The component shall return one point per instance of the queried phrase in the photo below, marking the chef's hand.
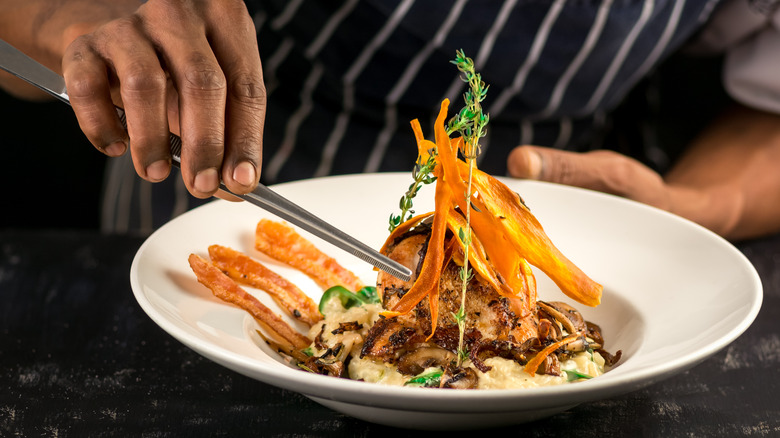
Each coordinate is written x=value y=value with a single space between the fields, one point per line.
x=191 y=67
x=727 y=180
x=601 y=170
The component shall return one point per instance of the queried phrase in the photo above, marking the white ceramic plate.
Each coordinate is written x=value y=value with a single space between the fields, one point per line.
x=674 y=294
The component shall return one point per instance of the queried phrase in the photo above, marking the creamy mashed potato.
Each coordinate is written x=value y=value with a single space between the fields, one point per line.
x=336 y=314
x=504 y=373
x=509 y=374
x=376 y=372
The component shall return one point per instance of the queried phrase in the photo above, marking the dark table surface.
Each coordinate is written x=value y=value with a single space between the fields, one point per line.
x=78 y=357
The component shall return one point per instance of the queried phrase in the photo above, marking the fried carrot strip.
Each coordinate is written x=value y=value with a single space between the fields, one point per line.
x=433 y=297
x=424 y=147
x=427 y=282
x=281 y=242
x=477 y=255
x=244 y=269
x=226 y=289
x=430 y=273
x=516 y=287
x=505 y=218
x=534 y=363
x=504 y=261
x=501 y=221
x=433 y=303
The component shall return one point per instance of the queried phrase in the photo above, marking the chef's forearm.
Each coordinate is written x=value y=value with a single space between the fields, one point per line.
x=729 y=180
x=43 y=29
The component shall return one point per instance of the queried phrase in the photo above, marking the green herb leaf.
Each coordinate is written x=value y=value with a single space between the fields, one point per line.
x=463 y=354
x=427 y=380
x=422 y=175
x=572 y=375
x=460 y=315
x=367 y=295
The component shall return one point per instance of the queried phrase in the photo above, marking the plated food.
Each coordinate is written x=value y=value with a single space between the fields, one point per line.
x=655 y=267
x=349 y=336
x=468 y=318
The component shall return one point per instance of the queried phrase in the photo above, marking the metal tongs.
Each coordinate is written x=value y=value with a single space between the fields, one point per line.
x=20 y=65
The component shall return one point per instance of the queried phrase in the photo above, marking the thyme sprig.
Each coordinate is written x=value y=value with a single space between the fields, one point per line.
x=423 y=175
x=471 y=123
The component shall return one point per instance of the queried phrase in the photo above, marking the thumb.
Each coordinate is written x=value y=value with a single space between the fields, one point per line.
x=525 y=162
x=588 y=170
x=602 y=170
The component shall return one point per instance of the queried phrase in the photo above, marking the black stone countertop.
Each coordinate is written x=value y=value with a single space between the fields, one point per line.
x=78 y=357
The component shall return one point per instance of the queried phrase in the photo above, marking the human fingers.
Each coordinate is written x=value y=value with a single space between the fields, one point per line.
x=193 y=43
x=89 y=91
x=200 y=85
x=232 y=37
x=131 y=50
x=143 y=89
x=602 y=170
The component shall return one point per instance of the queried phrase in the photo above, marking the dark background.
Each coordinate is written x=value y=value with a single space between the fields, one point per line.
x=51 y=174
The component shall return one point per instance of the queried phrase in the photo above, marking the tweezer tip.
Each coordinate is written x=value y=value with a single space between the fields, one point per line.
x=399 y=275
x=395 y=272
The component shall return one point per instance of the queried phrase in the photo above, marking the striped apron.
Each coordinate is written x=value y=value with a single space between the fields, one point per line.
x=345 y=78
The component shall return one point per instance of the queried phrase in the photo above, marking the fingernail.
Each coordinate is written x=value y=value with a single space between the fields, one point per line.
x=245 y=174
x=206 y=180
x=116 y=148
x=534 y=165
x=157 y=171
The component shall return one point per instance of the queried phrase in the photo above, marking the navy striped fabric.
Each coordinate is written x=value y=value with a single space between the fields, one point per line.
x=346 y=77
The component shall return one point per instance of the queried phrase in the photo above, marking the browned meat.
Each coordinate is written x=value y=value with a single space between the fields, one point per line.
x=490 y=318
